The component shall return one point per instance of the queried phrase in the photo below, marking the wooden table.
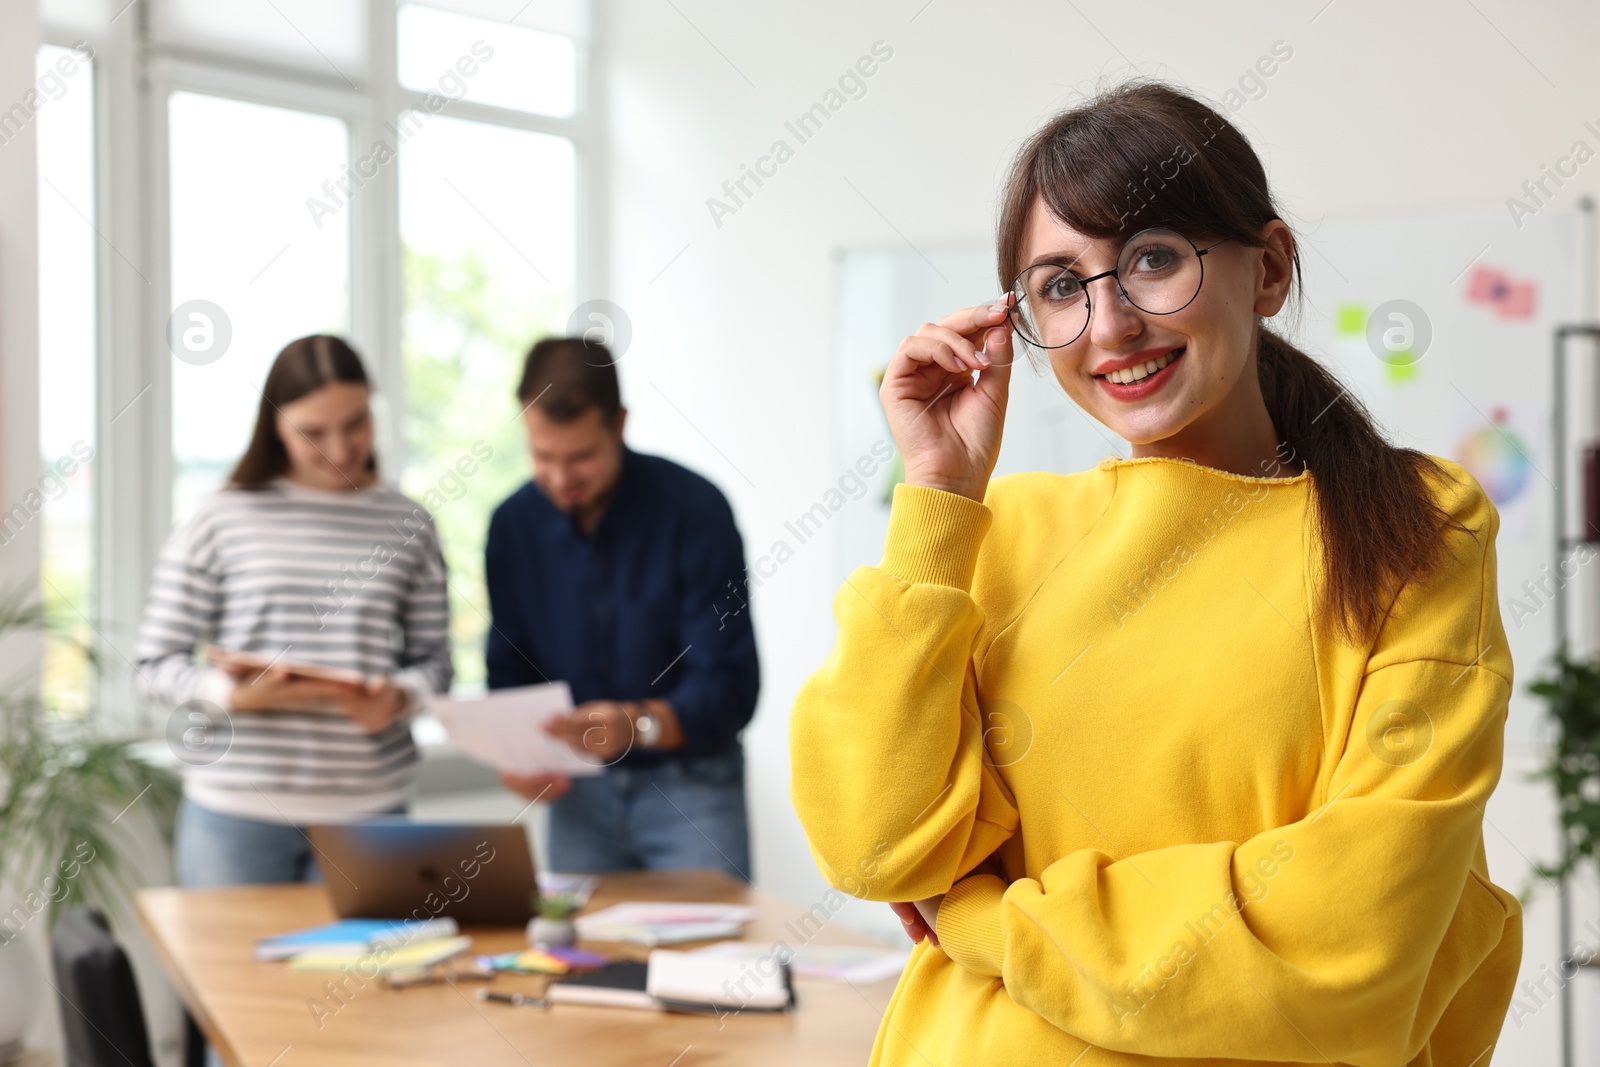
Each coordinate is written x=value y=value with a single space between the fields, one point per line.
x=261 y=1014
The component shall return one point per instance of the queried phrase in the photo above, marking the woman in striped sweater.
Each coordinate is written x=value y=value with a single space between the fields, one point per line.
x=304 y=557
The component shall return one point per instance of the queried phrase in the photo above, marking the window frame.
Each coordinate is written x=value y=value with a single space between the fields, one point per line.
x=52 y=37
x=134 y=80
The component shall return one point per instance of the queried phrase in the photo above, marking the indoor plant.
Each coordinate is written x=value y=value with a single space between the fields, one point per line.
x=63 y=787
x=1572 y=764
x=553 y=925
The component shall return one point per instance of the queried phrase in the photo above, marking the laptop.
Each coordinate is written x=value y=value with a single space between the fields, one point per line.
x=393 y=868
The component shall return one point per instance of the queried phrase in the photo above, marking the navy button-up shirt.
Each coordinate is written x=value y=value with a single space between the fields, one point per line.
x=651 y=605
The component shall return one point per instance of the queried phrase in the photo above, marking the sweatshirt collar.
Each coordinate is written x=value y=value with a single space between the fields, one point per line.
x=1185 y=465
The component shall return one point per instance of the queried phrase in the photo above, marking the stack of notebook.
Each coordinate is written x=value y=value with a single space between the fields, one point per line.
x=385 y=944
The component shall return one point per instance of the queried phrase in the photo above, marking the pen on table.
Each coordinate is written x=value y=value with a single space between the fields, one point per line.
x=513 y=998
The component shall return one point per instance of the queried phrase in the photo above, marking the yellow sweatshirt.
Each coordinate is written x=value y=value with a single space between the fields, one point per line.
x=1209 y=831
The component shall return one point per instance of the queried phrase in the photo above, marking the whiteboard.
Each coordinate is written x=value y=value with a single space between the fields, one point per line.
x=1482 y=293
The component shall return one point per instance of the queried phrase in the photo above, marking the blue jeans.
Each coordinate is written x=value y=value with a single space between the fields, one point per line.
x=213 y=849
x=678 y=814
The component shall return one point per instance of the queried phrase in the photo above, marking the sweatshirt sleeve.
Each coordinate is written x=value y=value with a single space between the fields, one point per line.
x=886 y=739
x=183 y=608
x=1341 y=937
x=426 y=665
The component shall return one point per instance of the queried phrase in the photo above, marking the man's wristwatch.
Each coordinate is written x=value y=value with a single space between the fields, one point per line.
x=646 y=727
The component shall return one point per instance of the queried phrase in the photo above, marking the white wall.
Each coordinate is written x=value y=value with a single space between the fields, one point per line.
x=19 y=360
x=19 y=289
x=1382 y=107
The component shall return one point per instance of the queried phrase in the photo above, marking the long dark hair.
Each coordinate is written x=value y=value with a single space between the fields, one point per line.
x=303 y=367
x=1145 y=154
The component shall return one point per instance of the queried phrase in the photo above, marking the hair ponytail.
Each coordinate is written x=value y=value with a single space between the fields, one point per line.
x=1377 y=517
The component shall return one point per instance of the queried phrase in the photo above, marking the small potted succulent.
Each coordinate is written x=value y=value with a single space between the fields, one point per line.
x=553 y=926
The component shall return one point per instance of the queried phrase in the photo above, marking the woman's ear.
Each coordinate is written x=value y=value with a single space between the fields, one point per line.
x=1276 y=271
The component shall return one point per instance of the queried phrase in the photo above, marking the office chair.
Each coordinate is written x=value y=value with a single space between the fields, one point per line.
x=101 y=1016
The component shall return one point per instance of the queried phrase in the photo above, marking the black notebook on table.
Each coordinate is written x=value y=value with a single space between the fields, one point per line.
x=619 y=984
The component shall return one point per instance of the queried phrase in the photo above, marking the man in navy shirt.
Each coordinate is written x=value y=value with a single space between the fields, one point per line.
x=623 y=574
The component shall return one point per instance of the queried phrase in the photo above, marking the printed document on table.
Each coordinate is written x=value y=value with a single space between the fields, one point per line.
x=505 y=729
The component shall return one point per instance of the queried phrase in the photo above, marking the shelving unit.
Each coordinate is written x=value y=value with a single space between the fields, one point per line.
x=1563 y=542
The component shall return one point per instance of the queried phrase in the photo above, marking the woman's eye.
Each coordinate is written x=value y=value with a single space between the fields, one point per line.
x=1155 y=259
x=1062 y=287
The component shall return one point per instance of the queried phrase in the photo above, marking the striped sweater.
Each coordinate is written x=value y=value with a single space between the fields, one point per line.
x=354 y=580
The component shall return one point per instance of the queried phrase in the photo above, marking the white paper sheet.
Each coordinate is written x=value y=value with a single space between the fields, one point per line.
x=699 y=979
x=831 y=963
x=505 y=729
x=652 y=922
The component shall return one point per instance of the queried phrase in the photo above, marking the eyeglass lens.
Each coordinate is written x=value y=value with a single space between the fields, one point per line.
x=1159 y=269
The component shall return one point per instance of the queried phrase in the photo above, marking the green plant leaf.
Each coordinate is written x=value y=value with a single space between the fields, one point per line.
x=1570 y=692
x=63 y=787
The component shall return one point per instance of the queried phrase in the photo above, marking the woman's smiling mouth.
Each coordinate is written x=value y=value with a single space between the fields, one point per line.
x=1139 y=380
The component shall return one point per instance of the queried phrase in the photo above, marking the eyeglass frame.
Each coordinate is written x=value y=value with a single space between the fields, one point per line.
x=1088 y=300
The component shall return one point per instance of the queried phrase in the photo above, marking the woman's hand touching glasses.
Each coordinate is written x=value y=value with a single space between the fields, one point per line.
x=946 y=424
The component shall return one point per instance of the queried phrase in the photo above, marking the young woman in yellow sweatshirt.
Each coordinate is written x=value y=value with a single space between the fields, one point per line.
x=1181 y=759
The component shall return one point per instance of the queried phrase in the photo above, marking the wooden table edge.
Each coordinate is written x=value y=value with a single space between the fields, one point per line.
x=178 y=980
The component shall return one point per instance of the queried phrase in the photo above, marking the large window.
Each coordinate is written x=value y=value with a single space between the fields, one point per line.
x=511 y=67
x=67 y=340
x=251 y=269
x=488 y=210
x=404 y=174
x=487 y=218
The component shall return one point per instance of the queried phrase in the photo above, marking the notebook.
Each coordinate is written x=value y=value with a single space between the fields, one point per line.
x=352 y=937
x=689 y=981
x=679 y=981
x=619 y=984
x=416 y=954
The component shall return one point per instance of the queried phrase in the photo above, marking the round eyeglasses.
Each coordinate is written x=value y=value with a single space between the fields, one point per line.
x=1158 y=271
